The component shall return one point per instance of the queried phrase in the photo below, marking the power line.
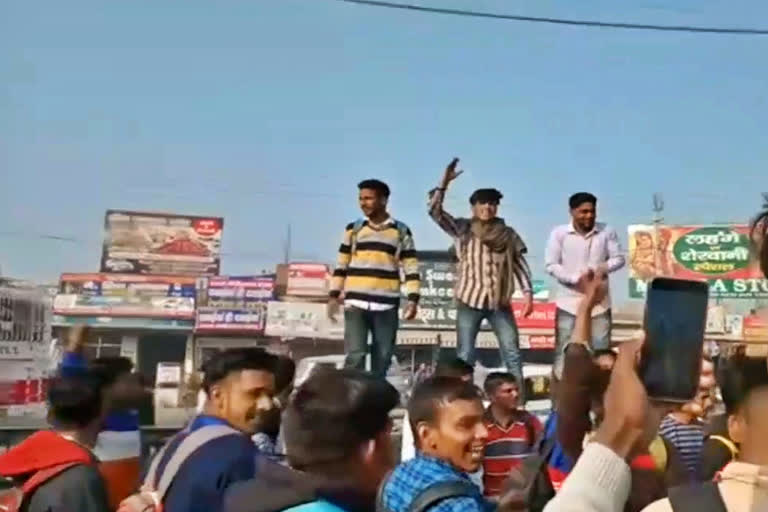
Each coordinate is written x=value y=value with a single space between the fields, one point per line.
x=559 y=21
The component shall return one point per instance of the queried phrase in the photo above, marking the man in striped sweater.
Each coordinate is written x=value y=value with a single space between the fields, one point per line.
x=367 y=278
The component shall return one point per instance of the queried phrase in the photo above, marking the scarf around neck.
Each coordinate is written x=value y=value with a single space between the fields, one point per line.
x=502 y=241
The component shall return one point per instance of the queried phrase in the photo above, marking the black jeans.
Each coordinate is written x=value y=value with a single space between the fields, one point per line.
x=383 y=328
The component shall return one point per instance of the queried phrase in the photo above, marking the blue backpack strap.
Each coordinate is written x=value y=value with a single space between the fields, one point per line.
x=356 y=227
x=402 y=233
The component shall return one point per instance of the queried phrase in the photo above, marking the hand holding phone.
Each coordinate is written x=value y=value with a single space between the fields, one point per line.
x=675 y=321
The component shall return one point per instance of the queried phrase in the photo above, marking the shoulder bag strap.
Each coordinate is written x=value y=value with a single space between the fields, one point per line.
x=703 y=497
x=380 y=494
x=356 y=227
x=440 y=491
x=728 y=444
x=187 y=447
x=42 y=476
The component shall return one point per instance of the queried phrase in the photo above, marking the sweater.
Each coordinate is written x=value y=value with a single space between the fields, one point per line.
x=372 y=273
x=599 y=482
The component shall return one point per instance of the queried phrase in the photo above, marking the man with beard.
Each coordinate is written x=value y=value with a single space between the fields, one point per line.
x=338 y=435
x=575 y=252
x=491 y=264
x=216 y=449
x=367 y=280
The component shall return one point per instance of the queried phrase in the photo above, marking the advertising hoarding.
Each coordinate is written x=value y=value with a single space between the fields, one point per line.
x=223 y=320
x=160 y=243
x=718 y=254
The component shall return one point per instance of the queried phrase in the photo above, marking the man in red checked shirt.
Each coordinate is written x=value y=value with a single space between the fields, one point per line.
x=512 y=432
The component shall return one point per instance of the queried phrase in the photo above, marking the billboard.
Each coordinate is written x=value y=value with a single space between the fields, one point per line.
x=221 y=320
x=542 y=317
x=302 y=320
x=719 y=255
x=308 y=280
x=159 y=243
x=128 y=305
x=239 y=292
x=437 y=309
x=122 y=285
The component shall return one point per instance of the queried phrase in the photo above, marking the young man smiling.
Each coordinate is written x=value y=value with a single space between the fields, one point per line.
x=491 y=265
x=446 y=416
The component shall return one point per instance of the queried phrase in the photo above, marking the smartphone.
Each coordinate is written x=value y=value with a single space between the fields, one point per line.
x=675 y=321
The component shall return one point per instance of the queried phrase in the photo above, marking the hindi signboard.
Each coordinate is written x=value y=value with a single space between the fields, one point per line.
x=719 y=255
x=230 y=320
x=159 y=243
x=250 y=292
x=309 y=280
x=437 y=309
x=302 y=320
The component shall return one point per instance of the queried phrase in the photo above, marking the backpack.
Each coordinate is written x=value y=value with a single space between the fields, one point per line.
x=402 y=233
x=528 y=487
x=432 y=494
x=699 y=497
x=152 y=493
x=11 y=500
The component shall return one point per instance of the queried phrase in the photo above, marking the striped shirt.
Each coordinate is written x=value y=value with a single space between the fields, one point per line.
x=506 y=448
x=371 y=276
x=478 y=271
x=687 y=438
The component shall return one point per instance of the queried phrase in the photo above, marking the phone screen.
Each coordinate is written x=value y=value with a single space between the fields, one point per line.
x=675 y=320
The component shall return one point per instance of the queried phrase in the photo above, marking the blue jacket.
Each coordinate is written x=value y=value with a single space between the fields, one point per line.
x=204 y=477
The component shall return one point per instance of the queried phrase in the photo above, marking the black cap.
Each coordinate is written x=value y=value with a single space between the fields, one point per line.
x=485 y=195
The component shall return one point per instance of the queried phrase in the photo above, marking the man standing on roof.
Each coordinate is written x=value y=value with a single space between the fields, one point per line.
x=575 y=253
x=491 y=264
x=367 y=278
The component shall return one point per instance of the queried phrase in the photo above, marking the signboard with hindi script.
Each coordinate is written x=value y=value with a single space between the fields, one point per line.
x=719 y=255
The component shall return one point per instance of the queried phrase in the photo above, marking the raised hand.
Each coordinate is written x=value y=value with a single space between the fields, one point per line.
x=451 y=173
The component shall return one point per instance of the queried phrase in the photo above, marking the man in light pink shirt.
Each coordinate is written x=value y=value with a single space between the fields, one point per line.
x=575 y=251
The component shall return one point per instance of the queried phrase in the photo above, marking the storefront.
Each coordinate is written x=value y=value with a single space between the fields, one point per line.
x=148 y=319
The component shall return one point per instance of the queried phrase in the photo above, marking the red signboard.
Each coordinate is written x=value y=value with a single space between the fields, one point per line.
x=755 y=328
x=542 y=317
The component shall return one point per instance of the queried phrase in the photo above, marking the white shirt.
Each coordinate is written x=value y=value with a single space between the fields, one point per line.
x=569 y=254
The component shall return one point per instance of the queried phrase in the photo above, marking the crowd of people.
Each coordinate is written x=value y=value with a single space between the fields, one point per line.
x=259 y=445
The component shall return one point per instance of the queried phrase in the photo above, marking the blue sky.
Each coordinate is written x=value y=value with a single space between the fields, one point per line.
x=268 y=112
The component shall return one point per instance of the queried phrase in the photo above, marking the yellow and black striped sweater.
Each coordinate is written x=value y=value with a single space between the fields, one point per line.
x=372 y=273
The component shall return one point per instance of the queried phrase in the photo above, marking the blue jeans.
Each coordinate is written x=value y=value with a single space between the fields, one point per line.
x=564 y=324
x=503 y=323
x=383 y=327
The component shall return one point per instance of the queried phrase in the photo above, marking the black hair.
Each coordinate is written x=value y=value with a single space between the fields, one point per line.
x=761 y=249
x=381 y=188
x=486 y=195
x=436 y=392
x=453 y=367
x=75 y=401
x=109 y=369
x=579 y=198
x=332 y=414
x=223 y=364
x=285 y=371
x=496 y=379
x=738 y=377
